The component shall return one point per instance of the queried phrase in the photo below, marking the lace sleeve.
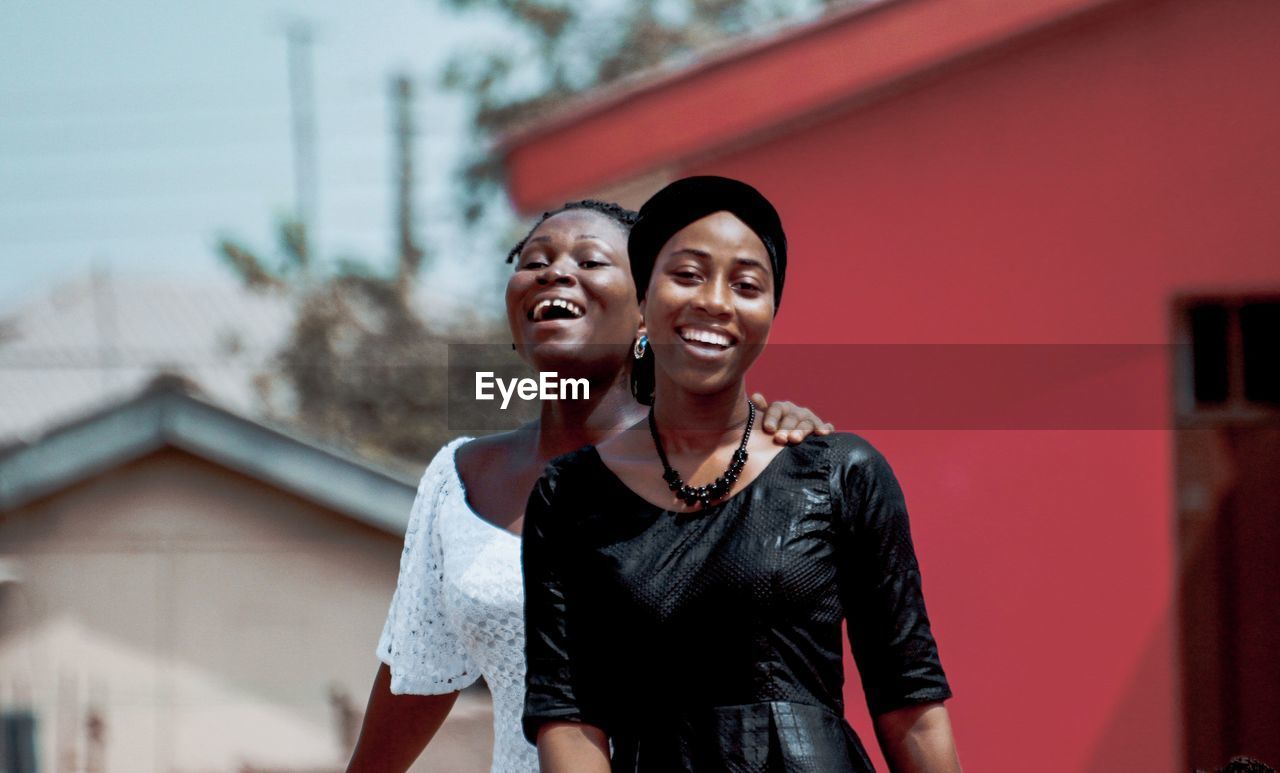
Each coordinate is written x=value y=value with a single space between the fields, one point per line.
x=418 y=642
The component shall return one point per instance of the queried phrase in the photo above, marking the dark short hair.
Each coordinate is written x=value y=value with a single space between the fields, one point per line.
x=616 y=212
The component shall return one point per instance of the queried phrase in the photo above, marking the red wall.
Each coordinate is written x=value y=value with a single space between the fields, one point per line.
x=1058 y=192
x=1061 y=192
x=855 y=48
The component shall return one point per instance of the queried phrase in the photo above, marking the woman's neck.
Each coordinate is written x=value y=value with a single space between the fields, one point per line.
x=567 y=425
x=694 y=423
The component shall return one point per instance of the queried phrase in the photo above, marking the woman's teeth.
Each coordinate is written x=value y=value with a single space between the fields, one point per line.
x=546 y=309
x=705 y=337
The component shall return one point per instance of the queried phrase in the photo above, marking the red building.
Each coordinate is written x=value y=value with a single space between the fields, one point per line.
x=1030 y=173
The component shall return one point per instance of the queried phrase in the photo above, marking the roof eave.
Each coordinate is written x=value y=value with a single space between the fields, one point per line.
x=158 y=418
x=881 y=49
x=724 y=54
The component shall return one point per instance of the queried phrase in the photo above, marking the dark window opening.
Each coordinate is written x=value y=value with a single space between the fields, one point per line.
x=1209 y=354
x=1260 y=342
x=18 y=742
x=1227 y=451
x=1234 y=363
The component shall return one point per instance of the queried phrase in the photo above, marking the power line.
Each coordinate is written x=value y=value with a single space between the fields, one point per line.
x=177 y=185
x=168 y=141
x=365 y=85
x=167 y=207
x=202 y=112
x=332 y=143
x=176 y=194
x=204 y=232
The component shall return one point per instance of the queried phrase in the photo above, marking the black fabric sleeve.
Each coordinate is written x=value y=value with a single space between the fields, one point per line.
x=889 y=631
x=550 y=690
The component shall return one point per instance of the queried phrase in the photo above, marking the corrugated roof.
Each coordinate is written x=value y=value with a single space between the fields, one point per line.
x=92 y=342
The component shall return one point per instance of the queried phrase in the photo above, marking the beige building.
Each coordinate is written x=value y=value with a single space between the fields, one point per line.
x=185 y=589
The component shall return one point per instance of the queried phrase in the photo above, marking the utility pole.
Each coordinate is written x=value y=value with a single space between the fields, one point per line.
x=302 y=103
x=409 y=253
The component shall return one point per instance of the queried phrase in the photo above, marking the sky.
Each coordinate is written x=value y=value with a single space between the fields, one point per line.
x=133 y=134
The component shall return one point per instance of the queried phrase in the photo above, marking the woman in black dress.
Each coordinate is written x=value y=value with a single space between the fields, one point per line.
x=681 y=628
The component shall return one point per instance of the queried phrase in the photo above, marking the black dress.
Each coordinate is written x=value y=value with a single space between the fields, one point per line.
x=710 y=641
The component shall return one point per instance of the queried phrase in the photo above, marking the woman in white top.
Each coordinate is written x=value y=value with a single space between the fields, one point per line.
x=458 y=610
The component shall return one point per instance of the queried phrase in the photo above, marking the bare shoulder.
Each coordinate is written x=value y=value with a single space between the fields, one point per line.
x=497 y=473
x=490 y=451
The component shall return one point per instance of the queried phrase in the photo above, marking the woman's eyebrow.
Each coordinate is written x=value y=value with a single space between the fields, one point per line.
x=546 y=238
x=694 y=251
x=704 y=255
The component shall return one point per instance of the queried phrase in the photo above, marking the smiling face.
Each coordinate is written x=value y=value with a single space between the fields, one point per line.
x=709 y=305
x=571 y=302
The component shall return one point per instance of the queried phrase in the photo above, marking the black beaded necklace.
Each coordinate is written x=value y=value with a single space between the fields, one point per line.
x=709 y=493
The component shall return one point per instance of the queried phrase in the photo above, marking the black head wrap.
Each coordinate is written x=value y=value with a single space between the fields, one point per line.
x=676 y=206
x=691 y=199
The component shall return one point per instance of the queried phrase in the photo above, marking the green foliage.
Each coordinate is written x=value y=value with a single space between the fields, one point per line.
x=564 y=48
x=243 y=262
x=361 y=369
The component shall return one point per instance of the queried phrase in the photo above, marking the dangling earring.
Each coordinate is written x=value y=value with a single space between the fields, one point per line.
x=637 y=350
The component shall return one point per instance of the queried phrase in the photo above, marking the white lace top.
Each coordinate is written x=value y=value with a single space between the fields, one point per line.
x=458 y=609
